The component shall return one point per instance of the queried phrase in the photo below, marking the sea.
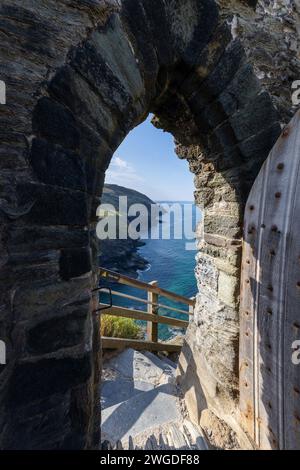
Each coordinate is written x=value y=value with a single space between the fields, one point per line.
x=170 y=263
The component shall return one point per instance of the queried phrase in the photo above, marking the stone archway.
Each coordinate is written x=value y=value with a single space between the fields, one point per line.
x=79 y=78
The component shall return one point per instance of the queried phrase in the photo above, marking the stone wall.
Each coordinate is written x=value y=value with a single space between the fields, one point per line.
x=245 y=119
x=80 y=75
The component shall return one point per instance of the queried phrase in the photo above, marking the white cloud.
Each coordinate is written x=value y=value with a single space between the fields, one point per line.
x=122 y=173
x=119 y=163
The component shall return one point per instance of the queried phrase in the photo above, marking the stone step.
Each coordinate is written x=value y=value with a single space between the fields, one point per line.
x=120 y=390
x=177 y=435
x=141 y=412
x=140 y=366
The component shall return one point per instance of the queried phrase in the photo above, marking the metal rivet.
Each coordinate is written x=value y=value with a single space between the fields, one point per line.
x=274 y=228
x=280 y=166
x=247 y=281
x=269 y=369
x=270 y=405
x=298 y=284
x=246 y=333
x=270 y=288
x=272 y=252
x=278 y=195
x=248 y=261
x=269 y=310
x=296 y=325
x=246 y=385
x=269 y=347
x=285 y=132
x=297 y=418
x=263 y=226
x=296 y=390
x=246 y=313
x=251 y=208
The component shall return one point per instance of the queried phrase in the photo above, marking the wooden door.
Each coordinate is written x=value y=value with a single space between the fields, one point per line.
x=270 y=299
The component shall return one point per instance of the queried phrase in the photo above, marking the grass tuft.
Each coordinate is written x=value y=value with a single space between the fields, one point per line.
x=118 y=327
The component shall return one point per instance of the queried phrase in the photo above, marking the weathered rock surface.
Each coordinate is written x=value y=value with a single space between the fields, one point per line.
x=121 y=255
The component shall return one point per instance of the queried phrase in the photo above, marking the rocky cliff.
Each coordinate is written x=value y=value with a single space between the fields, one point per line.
x=122 y=255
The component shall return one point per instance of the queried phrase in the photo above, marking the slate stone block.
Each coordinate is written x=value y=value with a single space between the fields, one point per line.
x=221 y=76
x=160 y=31
x=207 y=20
x=74 y=263
x=243 y=88
x=259 y=114
x=88 y=61
x=36 y=380
x=56 y=123
x=57 y=166
x=49 y=416
x=53 y=206
x=77 y=94
x=57 y=333
x=136 y=25
x=25 y=237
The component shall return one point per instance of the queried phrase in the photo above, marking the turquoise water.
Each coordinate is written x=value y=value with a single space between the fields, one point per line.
x=173 y=267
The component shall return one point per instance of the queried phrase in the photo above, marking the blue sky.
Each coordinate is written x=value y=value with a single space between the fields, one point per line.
x=146 y=161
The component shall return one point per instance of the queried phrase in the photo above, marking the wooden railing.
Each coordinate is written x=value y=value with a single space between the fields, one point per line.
x=152 y=315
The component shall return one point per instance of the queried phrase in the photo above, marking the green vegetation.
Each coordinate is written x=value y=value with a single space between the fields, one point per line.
x=118 y=327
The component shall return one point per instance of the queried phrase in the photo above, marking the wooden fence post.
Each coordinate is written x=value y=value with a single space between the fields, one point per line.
x=191 y=308
x=152 y=328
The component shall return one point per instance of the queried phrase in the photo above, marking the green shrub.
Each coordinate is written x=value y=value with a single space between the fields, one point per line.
x=118 y=327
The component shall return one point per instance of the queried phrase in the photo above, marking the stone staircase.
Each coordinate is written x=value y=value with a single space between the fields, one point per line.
x=142 y=407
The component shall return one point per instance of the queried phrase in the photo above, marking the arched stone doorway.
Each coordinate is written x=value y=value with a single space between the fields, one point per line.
x=79 y=78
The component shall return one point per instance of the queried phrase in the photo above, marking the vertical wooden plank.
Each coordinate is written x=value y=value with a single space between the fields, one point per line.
x=270 y=299
x=152 y=328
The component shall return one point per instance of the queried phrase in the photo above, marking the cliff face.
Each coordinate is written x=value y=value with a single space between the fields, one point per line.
x=122 y=255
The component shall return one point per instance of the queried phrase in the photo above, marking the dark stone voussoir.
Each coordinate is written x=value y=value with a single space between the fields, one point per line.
x=207 y=21
x=57 y=166
x=207 y=60
x=54 y=122
x=88 y=61
x=70 y=88
x=260 y=113
x=160 y=31
x=221 y=76
x=136 y=25
x=243 y=88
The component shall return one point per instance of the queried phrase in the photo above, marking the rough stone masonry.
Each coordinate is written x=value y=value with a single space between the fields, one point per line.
x=79 y=76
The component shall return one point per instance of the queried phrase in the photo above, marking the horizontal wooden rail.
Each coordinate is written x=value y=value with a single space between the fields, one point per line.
x=120 y=343
x=151 y=316
x=121 y=279
x=144 y=301
x=141 y=315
